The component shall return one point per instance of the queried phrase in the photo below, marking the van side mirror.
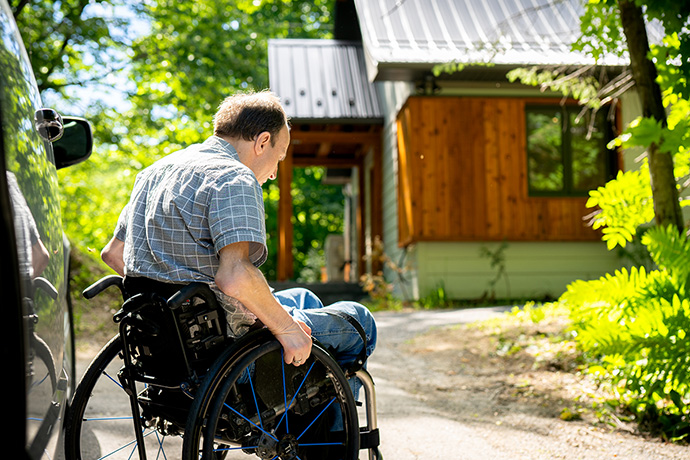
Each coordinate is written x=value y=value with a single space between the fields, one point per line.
x=76 y=142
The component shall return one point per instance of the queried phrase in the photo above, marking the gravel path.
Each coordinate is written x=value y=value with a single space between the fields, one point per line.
x=421 y=417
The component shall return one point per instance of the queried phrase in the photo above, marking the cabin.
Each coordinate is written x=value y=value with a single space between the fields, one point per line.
x=466 y=181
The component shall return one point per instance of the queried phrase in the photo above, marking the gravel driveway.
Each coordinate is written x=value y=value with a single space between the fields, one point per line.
x=421 y=418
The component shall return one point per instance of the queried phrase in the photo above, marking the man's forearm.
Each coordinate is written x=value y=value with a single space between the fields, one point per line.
x=238 y=278
x=247 y=284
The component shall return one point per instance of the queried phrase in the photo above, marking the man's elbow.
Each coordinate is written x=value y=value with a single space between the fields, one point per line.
x=113 y=256
x=234 y=281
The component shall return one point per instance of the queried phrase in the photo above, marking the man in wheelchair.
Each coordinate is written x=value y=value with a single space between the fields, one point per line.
x=197 y=215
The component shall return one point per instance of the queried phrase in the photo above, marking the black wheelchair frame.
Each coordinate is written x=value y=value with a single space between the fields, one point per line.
x=184 y=376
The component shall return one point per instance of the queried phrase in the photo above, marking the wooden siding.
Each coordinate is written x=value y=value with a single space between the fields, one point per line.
x=463 y=175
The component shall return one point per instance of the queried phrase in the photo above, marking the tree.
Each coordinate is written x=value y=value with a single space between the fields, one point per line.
x=173 y=61
x=664 y=190
x=71 y=43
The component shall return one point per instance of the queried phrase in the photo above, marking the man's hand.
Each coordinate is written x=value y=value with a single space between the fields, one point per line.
x=296 y=341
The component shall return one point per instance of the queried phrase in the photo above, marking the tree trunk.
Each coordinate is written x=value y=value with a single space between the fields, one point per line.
x=664 y=191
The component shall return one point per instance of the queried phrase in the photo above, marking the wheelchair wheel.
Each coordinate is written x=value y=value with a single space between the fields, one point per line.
x=100 y=424
x=253 y=405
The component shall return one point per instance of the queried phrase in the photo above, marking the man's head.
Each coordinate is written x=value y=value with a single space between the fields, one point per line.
x=244 y=116
x=257 y=126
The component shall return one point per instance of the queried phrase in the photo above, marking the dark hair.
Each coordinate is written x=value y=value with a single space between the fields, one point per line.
x=246 y=115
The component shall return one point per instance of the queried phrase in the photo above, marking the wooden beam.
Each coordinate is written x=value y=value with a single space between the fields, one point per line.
x=285 y=231
x=327 y=162
x=360 y=226
x=335 y=137
x=324 y=149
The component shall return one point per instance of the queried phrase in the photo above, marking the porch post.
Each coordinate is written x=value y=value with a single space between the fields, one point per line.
x=376 y=182
x=285 y=269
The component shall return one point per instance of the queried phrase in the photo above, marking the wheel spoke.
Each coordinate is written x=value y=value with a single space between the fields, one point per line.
x=106 y=419
x=256 y=403
x=313 y=417
x=316 y=418
x=132 y=443
x=294 y=396
x=105 y=373
x=227 y=449
x=101 y=426
x=282 y=366
x=254 y=424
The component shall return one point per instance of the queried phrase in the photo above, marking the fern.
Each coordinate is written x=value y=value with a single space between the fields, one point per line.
x=634 y=326
x=670 y=250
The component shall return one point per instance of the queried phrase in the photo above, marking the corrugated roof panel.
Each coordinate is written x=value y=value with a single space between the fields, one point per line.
x=503 y=32
x=322 y=79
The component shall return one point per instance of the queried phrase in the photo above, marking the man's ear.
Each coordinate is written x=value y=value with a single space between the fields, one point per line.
x=262 y=142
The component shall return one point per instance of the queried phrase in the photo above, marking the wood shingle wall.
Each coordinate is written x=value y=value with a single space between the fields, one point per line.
x=463 y=176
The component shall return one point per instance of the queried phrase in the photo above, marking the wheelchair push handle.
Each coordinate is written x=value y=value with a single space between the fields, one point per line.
x=101 y=285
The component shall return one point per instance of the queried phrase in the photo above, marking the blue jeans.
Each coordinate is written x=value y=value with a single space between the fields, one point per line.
x=332 y=331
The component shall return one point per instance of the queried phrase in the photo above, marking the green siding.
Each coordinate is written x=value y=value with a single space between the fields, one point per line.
x=533 y=269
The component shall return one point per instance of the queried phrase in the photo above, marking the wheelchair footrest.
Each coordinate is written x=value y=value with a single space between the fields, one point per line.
x=369 y=439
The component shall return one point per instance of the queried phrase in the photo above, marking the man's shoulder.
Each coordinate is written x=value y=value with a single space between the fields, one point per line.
x=204 y=157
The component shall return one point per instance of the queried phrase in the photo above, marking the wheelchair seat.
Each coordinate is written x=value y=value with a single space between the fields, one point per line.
x=183 y=377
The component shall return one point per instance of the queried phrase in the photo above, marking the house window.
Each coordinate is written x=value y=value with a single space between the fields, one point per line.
x=567 y=153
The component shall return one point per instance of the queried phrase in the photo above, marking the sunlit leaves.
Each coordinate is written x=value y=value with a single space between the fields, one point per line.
x=72 y=42
x=602 y=34
x=583 y=88
x=633 y=326
x=670 y=250
x=624 y=204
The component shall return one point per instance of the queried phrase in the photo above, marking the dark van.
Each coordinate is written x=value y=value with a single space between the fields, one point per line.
x=37 y=340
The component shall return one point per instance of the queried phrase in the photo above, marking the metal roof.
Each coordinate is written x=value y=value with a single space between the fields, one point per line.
x=503 y=32
x=322 y=80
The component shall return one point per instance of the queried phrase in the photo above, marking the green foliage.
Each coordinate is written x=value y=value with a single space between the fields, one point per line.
x=497 y=261
x=623 y=204
x=601 y=29
x=71 y=42
x=436 y=298
x=171 y=63
x=577 y=85
x=448 y=67
x=633 y=326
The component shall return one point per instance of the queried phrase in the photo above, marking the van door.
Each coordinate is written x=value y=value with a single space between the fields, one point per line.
x=35 y=275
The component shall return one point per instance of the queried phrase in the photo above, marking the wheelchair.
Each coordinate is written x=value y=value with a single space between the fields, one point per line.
x=172 y=384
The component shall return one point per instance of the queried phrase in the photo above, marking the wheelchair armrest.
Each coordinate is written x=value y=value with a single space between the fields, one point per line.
x=191 y=290
x=136 y=303
x=102 y=284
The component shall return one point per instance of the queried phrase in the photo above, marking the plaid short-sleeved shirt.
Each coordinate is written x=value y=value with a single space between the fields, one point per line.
x=184 y=209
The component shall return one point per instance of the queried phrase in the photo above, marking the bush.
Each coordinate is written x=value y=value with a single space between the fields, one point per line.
x=633 y=326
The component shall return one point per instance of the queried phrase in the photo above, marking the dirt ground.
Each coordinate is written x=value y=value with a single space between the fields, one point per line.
x=504 y=389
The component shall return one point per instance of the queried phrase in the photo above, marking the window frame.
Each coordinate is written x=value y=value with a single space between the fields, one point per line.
x=566 y=149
